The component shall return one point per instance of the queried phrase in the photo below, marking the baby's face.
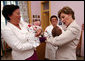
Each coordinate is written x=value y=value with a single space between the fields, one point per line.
x=37 y=23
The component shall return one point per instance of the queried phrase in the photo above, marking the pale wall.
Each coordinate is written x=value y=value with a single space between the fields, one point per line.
x=77 y=6
x=36 y=8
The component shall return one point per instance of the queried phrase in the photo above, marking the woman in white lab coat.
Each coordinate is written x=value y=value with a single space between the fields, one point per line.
x=48 y=34
x=68 y=40
x=16 y=35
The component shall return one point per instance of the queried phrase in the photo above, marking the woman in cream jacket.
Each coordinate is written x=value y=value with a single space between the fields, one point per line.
x=50 y=50
x=68 y=40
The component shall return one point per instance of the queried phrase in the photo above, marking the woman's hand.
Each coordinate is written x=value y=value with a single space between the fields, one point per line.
x=38 y=32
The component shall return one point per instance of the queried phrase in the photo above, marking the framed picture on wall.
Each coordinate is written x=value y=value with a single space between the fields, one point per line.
x=33 y=20
x=33 y=16
x=38 y=16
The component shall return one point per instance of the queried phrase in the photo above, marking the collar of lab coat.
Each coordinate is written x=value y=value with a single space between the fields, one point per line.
x=13 y=27
x=21 y=34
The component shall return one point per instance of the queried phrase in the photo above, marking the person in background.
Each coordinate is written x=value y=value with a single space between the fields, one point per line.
x=67 y=41
x=82 y=46
x=16 y=35
x=48 y=32
x=56 y=31
x=54 y=22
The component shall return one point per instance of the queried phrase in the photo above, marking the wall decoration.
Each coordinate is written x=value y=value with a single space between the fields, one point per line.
x=33 y=16
x=38 y=16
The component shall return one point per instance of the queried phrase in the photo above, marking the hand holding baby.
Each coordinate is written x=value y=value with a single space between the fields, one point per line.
x=38 y=32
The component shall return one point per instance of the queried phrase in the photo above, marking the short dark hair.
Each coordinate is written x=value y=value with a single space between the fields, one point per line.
x=66 y=10
x=56 y=31
x=53 y=17
x=8 y=10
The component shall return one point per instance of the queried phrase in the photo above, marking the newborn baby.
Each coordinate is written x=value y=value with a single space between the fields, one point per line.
x=36 y=26
x=34 y=30
x=56 y=31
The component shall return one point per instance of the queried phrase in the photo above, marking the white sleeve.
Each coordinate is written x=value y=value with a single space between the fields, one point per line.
x=67 y=36
x=37 y=42
x=14 y=42
x=46 y=33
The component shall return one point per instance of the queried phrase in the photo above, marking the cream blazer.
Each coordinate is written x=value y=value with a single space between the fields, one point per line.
x=68 y=42
x=19 y=41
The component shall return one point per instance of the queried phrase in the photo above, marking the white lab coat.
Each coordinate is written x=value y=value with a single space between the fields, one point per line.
x=50 y=50
x=67 y=42
x=19 y=41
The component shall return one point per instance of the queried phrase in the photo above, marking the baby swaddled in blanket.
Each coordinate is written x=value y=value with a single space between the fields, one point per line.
x=51 y=50
x=34 y=30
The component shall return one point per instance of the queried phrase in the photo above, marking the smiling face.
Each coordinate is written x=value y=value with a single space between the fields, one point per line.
x=54 y=21
x=15 y=17
x=66 y=18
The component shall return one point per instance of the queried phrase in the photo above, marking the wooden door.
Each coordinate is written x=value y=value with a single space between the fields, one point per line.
x=44 y=23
